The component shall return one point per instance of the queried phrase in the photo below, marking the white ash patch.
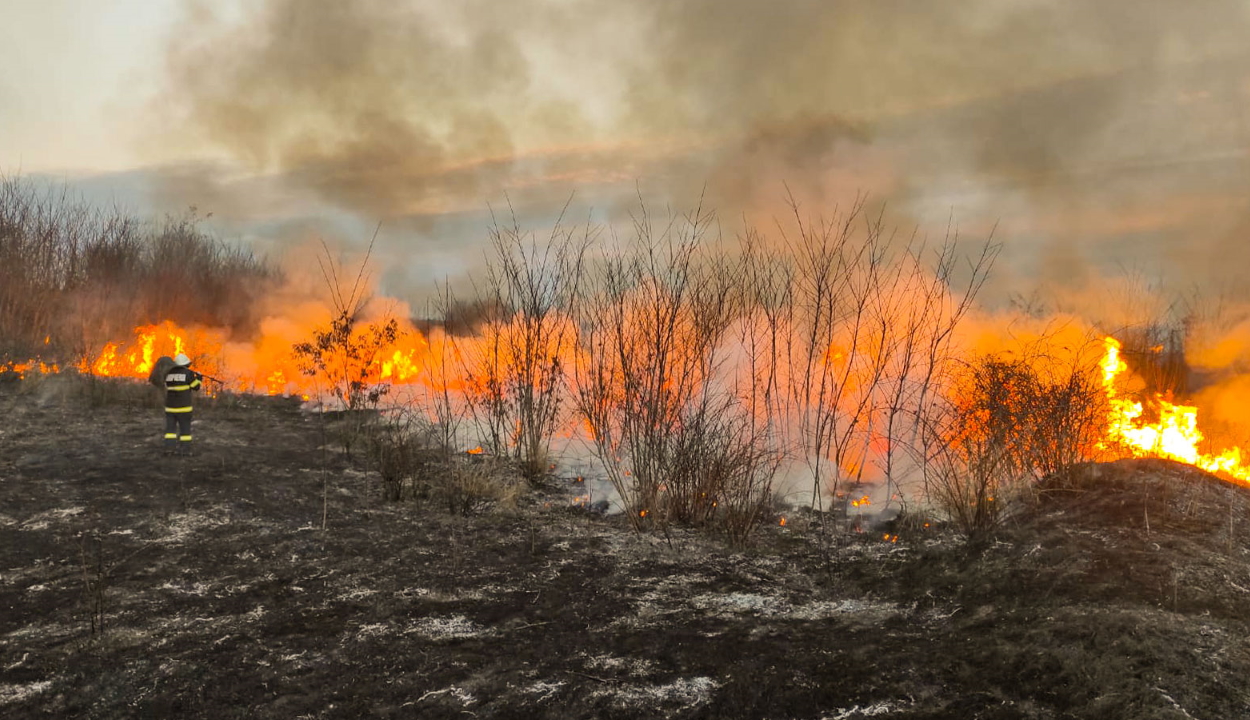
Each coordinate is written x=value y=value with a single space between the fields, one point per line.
x=878 y=709
x=660 y=599
x=37 y=588
x=372 y=630
x=358 y=593
x=454 y=627
x=299 y=659
x=487 y=591
x=637 y=667
x=237 y=588
x=683 y=692
x=199 y=589
x=7 y=521
x=13 y=666
x=127 y=531
x=543 y=689
x=772 y=606
x=44 y=520
x=46 y=632
x=673 y=585
x=183 y=527
x=413 y=592
x=181 y=623
x=18 y=693
x=455 y=691
x=129 y=636
x=33 y=574
x=447 y=597
x=824 y=609
x=742 y=603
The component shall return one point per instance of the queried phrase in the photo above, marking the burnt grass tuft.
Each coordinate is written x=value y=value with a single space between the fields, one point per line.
x=1123 y=592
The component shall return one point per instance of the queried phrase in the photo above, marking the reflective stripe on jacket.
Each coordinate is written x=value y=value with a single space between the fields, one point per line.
x=179 y=384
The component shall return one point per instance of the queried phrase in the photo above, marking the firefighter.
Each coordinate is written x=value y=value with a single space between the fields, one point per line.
x=180 y=382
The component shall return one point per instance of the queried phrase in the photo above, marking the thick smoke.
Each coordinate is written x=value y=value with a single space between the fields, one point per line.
x=1093 y=133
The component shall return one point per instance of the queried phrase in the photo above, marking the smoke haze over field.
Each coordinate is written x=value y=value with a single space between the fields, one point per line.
x=1096 y=134
x=1112 y=132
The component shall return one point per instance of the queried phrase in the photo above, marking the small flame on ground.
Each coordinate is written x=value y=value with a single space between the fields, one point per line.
x=783 y=521
x=862 y=502
x=475 y=451
x=21 y=369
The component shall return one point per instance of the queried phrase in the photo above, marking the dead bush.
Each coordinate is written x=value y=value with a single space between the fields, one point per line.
x=466 y=484
x=415 y=465
x=400 y=446
x=1010 y=421
x=517 y=364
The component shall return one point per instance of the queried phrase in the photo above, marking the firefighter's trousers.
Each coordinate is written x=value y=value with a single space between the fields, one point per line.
x=178 y=430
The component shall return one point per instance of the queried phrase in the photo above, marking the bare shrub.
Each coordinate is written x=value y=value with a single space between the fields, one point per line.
x=344 y=353
x=415 y=464
x=1009 y=422
x=921 y=303
x=837 y=278
x=99 y=571
x=401 y=446
x=675 y=435
x=868 y=321
x=740 y=470
x=516 y=367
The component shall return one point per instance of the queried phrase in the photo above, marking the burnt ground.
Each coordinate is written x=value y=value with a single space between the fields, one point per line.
x=1123 y=593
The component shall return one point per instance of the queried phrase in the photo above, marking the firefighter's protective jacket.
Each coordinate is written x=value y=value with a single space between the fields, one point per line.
x=180 y=382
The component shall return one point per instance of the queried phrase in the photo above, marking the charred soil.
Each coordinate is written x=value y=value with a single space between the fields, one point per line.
x=135 y=584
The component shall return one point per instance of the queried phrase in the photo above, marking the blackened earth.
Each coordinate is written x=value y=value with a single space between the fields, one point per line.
x=136 y=585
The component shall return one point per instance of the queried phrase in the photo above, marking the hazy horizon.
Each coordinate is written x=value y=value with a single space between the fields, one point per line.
x=1095 y=137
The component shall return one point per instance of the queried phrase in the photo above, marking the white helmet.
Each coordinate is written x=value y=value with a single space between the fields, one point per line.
x=181 y=360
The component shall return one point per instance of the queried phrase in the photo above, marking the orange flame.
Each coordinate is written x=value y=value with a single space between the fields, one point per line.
x=21 y=369
x=268 y=364
x=1175 y=436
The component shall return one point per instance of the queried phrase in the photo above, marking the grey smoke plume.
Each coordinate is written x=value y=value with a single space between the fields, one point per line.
x=1093 y=131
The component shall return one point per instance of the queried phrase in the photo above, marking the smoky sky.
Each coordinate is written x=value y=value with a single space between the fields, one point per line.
x=1088 y=131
